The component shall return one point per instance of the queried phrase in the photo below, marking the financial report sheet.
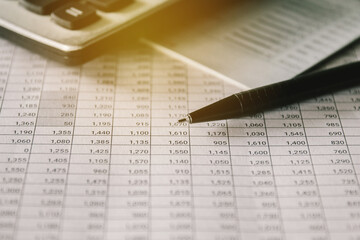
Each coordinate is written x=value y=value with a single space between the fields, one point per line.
x=95 y=152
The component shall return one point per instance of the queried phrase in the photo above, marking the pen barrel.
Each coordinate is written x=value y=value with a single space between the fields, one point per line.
x=226 y=108
x=307 y=86
x=299 y=88
x=281 y=93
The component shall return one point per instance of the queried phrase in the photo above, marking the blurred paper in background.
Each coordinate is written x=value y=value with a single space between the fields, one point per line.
x=260 y=42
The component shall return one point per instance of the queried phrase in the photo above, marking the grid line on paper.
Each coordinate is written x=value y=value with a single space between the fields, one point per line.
x=105 y=230
x=70 y=158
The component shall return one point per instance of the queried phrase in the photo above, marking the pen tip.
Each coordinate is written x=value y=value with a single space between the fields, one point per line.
x=186 y=119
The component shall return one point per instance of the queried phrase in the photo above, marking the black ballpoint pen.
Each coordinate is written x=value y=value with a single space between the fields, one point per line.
x=278 y=94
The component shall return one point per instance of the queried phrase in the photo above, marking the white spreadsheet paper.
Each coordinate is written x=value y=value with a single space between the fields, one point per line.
x=95 y=152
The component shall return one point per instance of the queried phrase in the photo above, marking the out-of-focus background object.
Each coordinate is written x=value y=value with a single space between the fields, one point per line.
x=71 y=31
x=280 y=37
x=261 y=42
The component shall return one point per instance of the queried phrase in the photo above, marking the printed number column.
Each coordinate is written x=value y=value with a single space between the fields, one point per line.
x=29 y=74
x=256 y=191
x=86 y=190
x=171 y=192
x=332 y=163
x=12 y=163
x=51 y=147
x=216 y=216
x=128 y=201
x=348 y=108
x=301 y=206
